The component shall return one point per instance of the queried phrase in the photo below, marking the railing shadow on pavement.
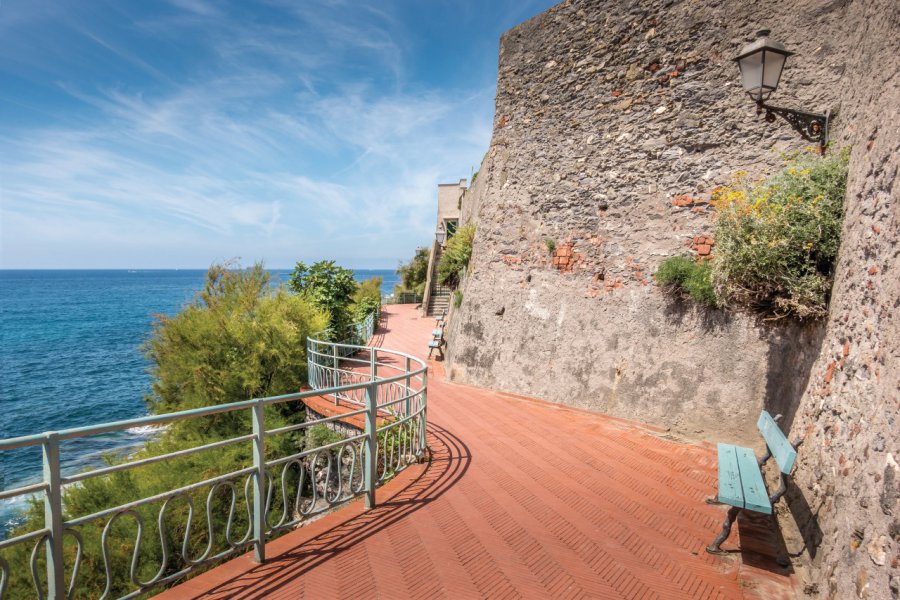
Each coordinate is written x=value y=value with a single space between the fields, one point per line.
x=450 y=459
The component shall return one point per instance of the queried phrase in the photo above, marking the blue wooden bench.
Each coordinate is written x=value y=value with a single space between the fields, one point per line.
x=741 y=482
x=437 y=343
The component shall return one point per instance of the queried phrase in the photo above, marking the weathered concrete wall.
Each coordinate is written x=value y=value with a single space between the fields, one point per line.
x=613 y=123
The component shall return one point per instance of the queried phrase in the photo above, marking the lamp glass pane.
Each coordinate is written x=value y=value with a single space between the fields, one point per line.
x=774 y=63
x=752 y=71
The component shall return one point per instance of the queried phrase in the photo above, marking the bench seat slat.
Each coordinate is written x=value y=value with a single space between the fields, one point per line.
x=754 y=488
x=730 y=490
x=434 y=344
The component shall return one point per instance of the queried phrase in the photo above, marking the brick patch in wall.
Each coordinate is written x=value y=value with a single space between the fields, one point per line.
x=703 y=245
x=565 y=258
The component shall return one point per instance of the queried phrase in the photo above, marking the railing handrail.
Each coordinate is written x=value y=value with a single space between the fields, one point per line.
x=403 y=395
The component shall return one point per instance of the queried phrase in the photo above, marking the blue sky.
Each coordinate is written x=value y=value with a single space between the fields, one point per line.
x=176 y=133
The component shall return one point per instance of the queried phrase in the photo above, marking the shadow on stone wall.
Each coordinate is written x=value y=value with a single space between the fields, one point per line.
x=793 y=349
x=677 y=308
x=806 y=520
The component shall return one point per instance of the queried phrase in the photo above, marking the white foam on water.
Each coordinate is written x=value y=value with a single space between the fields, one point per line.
x=147 y=429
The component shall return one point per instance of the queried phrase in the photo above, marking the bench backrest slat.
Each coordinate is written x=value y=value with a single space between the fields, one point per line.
x=778 y=444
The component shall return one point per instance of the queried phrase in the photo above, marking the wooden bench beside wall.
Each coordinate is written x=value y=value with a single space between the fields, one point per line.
x=437 y=336
x=741 y=482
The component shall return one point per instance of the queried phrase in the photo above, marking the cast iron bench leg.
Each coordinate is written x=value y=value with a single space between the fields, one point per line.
x=726 y=530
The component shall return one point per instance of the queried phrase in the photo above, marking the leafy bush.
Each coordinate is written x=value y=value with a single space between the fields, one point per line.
x=457 y=298
x=321 y=435
x=551 y=244
x=367 y=300
x=240 y=338
x=456 y=256
x=777 y=240
x=365 y=307
x=328 y=287
x=414 y=273
x=688 y=277
x=370 y=288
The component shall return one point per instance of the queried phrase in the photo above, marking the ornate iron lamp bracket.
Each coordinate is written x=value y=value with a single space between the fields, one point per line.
x=812 y=126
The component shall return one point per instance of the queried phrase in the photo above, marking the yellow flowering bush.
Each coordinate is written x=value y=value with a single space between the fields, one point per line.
x=777 y=239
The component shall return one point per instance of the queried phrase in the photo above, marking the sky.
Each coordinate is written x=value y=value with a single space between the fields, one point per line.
x=178 y=133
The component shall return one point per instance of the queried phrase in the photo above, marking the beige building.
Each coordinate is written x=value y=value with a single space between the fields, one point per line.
x=437 y=297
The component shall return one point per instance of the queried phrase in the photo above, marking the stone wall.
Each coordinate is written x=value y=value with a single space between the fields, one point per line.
x=613 y=123
x=845 y=501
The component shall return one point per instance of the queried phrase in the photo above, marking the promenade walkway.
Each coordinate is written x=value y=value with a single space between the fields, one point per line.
x=522 y=499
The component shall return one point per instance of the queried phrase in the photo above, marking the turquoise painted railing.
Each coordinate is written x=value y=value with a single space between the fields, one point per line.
x=388 y=386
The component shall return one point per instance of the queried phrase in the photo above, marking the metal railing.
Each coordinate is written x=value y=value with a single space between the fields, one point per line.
x=278 y=492
x=405 y=298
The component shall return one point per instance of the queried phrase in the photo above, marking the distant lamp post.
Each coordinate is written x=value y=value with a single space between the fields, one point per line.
x=441 y=234
x=761 y=63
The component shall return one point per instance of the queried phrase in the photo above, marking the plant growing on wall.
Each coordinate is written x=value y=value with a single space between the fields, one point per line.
x=687 y=276
x=777 y=240
x=551 y=244
x=457 y=298
x=455 y=258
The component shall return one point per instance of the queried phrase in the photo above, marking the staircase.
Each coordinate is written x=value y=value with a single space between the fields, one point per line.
x=439 y=298
x=439 y=301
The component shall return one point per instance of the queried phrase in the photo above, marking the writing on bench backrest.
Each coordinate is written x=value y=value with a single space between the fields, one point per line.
x=778 y=444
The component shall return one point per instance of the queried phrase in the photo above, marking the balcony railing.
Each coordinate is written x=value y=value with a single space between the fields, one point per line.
x=266 y=498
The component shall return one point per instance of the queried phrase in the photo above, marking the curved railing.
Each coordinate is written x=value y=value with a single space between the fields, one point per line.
x=250 y=505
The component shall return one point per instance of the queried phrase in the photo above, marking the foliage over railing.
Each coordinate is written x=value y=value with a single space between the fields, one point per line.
x=239 y=509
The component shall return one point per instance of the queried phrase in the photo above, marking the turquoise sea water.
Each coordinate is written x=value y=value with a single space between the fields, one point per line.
x=70 y=356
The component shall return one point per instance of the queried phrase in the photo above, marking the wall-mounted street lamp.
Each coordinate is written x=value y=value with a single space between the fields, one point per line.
x=761 y=63
x=441 y=234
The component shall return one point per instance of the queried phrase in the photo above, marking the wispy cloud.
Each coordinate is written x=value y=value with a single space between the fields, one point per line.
x=293 y=132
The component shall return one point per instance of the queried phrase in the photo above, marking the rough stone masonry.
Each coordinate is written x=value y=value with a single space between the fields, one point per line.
x=614 y=121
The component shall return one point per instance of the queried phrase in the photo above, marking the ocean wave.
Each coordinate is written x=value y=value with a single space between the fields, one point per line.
x=147 y=429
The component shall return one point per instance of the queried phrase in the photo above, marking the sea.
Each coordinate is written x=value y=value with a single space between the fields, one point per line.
x=70 y=355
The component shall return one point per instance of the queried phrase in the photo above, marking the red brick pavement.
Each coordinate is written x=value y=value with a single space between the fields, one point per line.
x=522 y=499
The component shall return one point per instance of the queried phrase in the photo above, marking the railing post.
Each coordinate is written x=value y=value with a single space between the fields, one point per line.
x=310 y=364
x=371 y=440
x=334 y=372
x=424 y=400
x=56 y=574
x=259 y=482
x=408 y=389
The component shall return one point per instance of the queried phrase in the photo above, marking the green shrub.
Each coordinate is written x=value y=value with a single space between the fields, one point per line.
x=551 y=244
x=365 y=307
x=367 y=300
x=370 y=288
x=328 y=287
x=321 y=435
x=240 y=338
x=777 y=240
x=414 y=273
x=457 y=298
x=455 y=258
x=689 y=277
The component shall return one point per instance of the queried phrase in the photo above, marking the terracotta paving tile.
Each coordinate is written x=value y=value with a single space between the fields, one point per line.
x=521 y=499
